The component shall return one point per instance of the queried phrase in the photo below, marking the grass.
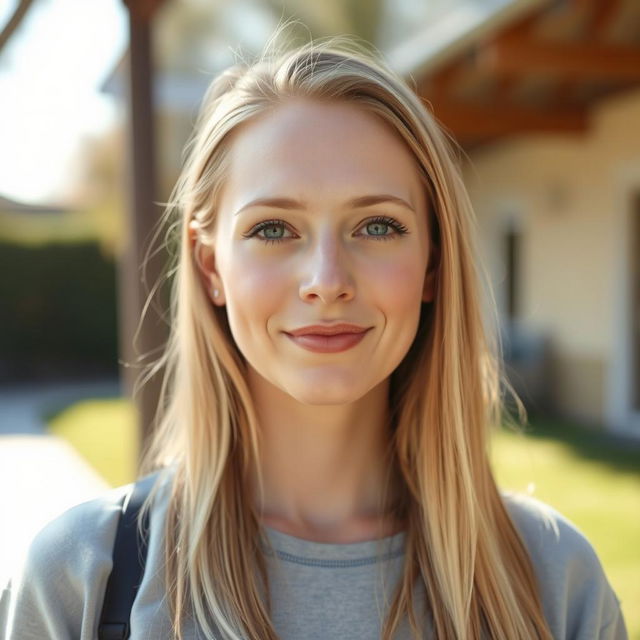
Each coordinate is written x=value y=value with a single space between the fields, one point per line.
x=592 y=481
x=104 y=433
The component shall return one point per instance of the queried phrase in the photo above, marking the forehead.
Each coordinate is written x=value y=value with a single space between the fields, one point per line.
x=312 y=148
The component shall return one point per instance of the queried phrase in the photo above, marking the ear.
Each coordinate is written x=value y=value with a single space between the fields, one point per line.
x=430 y=280
x=205 y=260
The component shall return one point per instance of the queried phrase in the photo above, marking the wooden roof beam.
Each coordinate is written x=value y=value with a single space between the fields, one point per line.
x=579 y=61
x=445 y=78
x=599 y=15
x=523 y=28
x=472 y=121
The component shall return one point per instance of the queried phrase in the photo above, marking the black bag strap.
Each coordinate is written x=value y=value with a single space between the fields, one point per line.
x=129 y=556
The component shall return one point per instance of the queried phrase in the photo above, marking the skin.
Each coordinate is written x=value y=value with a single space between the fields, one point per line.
x=323 y=415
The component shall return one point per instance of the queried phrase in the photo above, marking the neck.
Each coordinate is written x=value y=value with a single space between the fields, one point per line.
x=325 y=469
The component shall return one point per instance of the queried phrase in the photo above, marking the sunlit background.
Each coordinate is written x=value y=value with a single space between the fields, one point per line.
x=543 y=98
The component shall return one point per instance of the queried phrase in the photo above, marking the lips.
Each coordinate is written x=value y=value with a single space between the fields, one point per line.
x=328 y=338
x=327 y=330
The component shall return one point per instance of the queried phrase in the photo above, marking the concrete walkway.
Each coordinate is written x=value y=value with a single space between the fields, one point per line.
x=40 y=474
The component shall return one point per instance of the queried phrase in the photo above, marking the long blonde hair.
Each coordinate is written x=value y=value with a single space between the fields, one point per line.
x=445 y=395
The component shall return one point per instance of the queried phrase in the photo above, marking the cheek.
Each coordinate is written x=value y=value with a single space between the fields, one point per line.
x=254 y=289
x=400 y=284
x=398 y=297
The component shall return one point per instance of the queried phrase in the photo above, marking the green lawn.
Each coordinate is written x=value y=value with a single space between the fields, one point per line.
x=593 y=482
x=104 y=432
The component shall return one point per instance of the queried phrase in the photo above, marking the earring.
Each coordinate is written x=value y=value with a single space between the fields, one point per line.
x=216 y=293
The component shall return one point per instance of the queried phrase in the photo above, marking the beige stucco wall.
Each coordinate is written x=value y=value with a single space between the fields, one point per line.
x=569 y=197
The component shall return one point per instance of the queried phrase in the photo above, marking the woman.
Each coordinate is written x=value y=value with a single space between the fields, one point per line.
x=329 y=392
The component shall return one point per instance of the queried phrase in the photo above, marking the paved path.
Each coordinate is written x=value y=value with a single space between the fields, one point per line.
x=40 y=474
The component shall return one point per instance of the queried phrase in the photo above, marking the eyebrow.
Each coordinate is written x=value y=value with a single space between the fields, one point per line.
x=354 y=203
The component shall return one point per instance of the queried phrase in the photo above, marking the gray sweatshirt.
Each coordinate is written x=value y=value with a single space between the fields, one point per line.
x=318 y=591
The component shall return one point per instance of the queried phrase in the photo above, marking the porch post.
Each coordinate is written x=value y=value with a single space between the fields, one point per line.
x=142 y=342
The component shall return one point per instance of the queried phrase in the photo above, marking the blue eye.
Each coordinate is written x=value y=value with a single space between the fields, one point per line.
x=269 y=231
x=378 y=228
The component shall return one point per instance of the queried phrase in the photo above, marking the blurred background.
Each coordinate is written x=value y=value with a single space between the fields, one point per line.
x=97 y=100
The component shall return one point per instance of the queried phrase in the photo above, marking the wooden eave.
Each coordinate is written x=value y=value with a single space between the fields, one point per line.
x=541 y=73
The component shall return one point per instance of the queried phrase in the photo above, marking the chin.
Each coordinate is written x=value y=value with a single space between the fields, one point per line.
x=326 y=393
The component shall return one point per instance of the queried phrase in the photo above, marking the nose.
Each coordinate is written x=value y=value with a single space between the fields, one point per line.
x=327 y=274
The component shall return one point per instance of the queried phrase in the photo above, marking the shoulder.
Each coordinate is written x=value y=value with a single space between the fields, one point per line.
x=549 y=536
x=63 y=573
x=60 y=585
x=576 y=595
x=84 y=534
x=79 y=533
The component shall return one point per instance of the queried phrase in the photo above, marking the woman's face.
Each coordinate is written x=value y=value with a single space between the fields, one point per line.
x=322 y=221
